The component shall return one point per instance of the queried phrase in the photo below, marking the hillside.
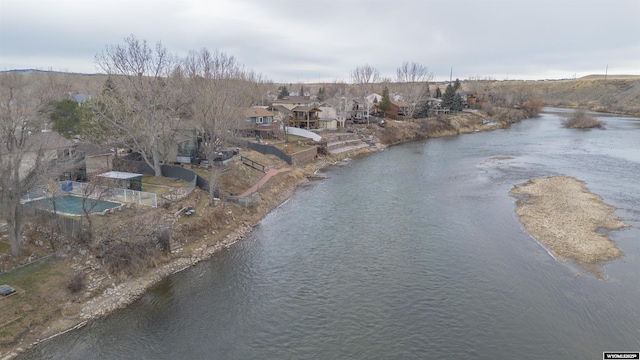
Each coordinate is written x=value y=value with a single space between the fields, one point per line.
x=617 y=94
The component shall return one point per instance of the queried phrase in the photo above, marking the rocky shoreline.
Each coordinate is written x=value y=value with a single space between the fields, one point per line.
x=563 y=215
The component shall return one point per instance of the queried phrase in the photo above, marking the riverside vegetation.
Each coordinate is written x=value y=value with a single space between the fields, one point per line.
x=82 y=283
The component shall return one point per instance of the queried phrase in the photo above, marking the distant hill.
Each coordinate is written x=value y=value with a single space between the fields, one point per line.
x=610 y=77
x=617 y=94
x=36 y=71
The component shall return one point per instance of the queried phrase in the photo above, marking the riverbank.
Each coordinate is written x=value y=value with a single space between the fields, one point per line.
x=563 y=215
x=201 y=243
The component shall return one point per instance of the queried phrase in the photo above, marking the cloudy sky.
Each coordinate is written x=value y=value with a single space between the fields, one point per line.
x=323 y=40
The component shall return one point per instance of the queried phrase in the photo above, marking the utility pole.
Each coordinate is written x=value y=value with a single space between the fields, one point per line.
x=605 y=72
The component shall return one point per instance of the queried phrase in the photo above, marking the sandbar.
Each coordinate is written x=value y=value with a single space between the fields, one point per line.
x=563 y=215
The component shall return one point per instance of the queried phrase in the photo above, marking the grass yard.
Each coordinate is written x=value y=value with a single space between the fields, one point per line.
x=161 y=185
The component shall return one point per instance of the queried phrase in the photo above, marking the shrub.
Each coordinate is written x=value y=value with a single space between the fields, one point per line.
x=77 y=281
x=579 y=119
x=489 y=109
x=128 y=256
x=533 y=106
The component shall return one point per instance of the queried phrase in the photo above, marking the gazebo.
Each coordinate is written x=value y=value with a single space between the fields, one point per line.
x=124 y=180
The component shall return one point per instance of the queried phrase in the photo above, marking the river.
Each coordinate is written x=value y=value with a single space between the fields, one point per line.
x=414 y=252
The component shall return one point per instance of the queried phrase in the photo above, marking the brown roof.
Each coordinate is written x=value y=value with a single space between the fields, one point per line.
x=90 y=150
x=280 y=108
x=305 y=108
x=47 y=141
x=293 y=100
x=257 y=112
x=400 y=103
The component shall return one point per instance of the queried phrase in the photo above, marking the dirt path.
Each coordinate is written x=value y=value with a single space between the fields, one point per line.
x=563 y=215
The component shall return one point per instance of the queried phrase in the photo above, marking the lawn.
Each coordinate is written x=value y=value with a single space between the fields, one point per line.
x=161 y=185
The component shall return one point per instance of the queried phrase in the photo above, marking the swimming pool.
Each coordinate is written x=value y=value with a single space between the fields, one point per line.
x=70 y=204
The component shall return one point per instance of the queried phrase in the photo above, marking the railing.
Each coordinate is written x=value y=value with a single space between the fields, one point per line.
x=109 y=193
x=252 y=164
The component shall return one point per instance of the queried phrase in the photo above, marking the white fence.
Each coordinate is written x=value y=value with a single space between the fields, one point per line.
x=108 y=193
x=96 y=192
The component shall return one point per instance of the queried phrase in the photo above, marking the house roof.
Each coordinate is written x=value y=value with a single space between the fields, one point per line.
x=50 y=140
x=294 y=100
x=258 y=112
x=305 y=108
x=280 y=108
x=90 y=150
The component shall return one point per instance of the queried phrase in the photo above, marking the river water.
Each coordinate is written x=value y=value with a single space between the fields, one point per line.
x=411 y=253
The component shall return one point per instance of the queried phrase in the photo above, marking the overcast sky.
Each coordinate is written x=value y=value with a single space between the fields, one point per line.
x=323 y=40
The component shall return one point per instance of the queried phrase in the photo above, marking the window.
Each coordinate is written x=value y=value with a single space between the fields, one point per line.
x=259 y=120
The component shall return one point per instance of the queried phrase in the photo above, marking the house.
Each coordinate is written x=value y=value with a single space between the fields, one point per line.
x=280 y=113
x=335 y=108
x=359 y=110
x=304 y=117
x=327 y=123
x=470 y=98
x=373 y=98
x=398 y=108
x=257 y=115
x=291 y=102
x=53 y=147
x=97 y=158
x=260 y=122
x=189 y=142
x=328 y=110
x=297 y=111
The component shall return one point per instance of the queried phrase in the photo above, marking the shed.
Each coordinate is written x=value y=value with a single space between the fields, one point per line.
x=125 y=180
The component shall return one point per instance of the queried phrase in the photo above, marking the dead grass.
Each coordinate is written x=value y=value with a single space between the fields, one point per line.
x=616 y=94
x=562 y=214
x=40 y=292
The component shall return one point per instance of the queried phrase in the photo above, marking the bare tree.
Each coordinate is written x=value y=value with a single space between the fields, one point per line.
x=480 y=85
x=26 y=159
x=92 y=193
x=414 y=81
x=145 y=112
x=337 y=88
x=520 y=93
x=363 y=77
x=221 y=90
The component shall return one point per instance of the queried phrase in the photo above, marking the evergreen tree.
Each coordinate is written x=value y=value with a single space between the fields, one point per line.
x=283 y=92
x=109 y=87
x=457 y=85
x=321 y=94
x=458 y=103
x=66 y=117
x=448 y=97
x=385 y=103
x=438 y=93
x=301 y=90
